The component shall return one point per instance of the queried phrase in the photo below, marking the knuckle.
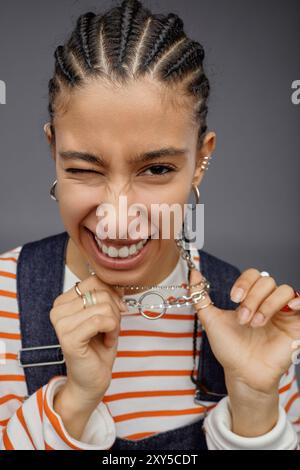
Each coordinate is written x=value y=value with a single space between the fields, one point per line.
x=249 y=302
x=66 y=343
x=59 y=326
x=106 y=307
x=104 y=295
x=267 y=306
x=269 y=281
x=52 y=316
x=112 y=322
x=97 y=320
x=58 y=300
x=252 y=272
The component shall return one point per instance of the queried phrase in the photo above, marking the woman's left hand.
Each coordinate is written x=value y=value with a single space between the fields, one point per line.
x=255 y=350
x=259 y=350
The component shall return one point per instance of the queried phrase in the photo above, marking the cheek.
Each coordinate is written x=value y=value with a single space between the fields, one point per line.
x=75 y=204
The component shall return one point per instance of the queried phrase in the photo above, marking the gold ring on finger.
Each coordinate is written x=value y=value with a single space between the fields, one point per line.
x=204 y=306
x=78 y=291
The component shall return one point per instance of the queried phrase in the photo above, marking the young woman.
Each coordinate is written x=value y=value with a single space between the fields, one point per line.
x=83 y=366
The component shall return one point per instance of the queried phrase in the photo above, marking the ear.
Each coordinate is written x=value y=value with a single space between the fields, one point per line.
x=49 y=137
x=208 y=147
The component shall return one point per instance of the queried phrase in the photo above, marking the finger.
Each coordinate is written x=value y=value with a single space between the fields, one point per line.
x=257 y=294
x=206 y=311
x=294 y=303
x=71 y=308
x=67 y=324
x=243 y=284
x=118 y=292
x=272 y=305
x=90 y=283
x=74 y=341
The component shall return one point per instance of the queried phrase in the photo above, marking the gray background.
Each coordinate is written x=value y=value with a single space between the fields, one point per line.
x=251 y=190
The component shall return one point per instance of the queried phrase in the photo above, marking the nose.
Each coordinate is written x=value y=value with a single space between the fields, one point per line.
x=121 y=222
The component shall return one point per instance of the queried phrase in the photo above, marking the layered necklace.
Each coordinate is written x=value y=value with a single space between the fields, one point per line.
x=154 y=290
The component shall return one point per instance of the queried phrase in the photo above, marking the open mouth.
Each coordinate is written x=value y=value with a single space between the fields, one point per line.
x=125 y=251
x=116 y=256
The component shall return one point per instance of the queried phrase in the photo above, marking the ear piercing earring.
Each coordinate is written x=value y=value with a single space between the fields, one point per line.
x=206 y=162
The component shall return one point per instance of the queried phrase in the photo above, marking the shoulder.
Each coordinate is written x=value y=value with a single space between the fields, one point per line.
x=39 y=247
x=217 y=262
x=8 y=261
x=221 y=276
x=48 y=241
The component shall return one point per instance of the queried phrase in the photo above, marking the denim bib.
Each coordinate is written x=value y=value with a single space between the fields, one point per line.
x=40 y=277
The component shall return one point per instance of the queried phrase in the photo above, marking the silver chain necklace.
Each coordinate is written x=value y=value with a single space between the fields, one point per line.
x=180 y=301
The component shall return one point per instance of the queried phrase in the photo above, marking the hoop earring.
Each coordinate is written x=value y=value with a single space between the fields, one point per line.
x=52 y=191
x=186 y=227
x=197 y=195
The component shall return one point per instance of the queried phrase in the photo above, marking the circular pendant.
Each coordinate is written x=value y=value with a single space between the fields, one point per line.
x=140 y=307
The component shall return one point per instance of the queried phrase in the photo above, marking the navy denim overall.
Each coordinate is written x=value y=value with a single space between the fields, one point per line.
x=40 y=276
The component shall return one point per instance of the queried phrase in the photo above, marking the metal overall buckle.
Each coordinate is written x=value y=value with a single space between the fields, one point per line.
x=57 y=346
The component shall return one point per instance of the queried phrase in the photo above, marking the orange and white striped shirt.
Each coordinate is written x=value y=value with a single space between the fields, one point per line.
x=150 y=391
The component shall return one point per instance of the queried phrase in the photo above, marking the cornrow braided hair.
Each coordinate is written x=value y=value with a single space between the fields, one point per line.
x=128 y=42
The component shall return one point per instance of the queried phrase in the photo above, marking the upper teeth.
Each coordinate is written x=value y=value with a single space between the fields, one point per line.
x=123 y=252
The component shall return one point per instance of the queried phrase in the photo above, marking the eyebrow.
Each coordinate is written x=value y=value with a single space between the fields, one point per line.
x=142 y=157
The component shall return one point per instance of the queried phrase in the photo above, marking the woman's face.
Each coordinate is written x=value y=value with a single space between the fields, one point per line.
x=118 y=126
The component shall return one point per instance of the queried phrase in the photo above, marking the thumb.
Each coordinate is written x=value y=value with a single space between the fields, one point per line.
x=205 y=309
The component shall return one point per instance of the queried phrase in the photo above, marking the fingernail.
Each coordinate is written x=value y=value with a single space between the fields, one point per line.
x=258 y=319
x=237 y=294
x=244 y=315
x=295 y=303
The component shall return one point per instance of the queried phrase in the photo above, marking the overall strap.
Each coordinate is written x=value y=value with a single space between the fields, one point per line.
x=210 y=375
x=40 y=275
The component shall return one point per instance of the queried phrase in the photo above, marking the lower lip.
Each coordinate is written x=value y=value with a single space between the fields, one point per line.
x=116 y=263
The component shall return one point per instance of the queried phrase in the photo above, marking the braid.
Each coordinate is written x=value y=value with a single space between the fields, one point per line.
x=166 y=31
x=83 y=27
x=129 y=41
x=53 y=89
x=62 y=67
x=128 y=11
x=189 y=57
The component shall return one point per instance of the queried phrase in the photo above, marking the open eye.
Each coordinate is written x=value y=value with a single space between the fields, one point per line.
x=157 y=169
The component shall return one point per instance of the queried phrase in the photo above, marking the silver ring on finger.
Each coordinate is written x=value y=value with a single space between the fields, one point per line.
x=93 y=297
x=88 y=299
x=264 y=274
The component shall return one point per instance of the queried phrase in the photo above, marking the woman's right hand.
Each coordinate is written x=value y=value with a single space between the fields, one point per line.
x=89 y=339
